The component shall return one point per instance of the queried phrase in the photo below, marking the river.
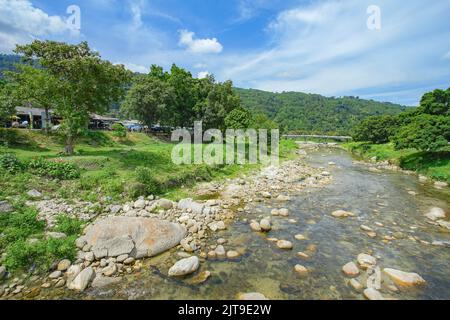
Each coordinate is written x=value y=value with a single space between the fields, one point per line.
x=380 y=200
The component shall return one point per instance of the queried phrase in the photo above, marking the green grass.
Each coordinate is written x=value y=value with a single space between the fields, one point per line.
x=109 y=167
x=432 y=164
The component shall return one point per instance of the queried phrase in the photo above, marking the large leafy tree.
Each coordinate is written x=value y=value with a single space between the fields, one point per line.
x=149 y=100
x=436 y=102
x=34 y=86
x=425 y=133
x=8 y=101
x=184 y=86
x=85 y=83
x=239 y=118
x=221 y=100
x=376 y=129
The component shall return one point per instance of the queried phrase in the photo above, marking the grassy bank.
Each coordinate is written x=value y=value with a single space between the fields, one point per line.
x=435 y=165
x=106 y=167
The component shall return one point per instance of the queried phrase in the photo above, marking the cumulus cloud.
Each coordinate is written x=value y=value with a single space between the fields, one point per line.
x=203 y=74
x=187 y=39
x=134 y=67
x=20 y=22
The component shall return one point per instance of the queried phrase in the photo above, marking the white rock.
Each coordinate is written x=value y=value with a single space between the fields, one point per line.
x=184 y=267
x=139 y=204
x=265 y=225
x=435 y=214
x=373 y=294
x=404 y=278
x=252 y=296
x=366 y=261
x=350 y=269
x=82 y=280
x=284 y=244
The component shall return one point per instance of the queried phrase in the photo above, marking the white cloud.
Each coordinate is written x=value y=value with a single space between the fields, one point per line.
x=20 y=22
x=199 y=45
x=203 y=74
x=134 y=67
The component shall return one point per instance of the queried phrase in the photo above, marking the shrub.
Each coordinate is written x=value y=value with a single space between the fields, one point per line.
x=10 y=163
x=119 y=130
x=376 y=130
x=19 y=225
x=424 y=133
x=22 y=255
x=147 y=177
x=69 y=226
x=51 y=169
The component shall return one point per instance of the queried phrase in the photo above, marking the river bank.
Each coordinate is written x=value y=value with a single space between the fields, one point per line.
x=427 y=165
x=321 y=227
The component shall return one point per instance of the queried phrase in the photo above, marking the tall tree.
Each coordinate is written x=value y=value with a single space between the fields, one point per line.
x=436 y=102
x=149 y=100
x=85 y=82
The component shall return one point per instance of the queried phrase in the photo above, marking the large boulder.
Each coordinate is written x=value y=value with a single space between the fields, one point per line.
x=137 y=237
x=82 y=280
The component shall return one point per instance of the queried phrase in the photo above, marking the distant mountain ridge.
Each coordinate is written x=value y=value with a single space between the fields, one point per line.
x=298 y=112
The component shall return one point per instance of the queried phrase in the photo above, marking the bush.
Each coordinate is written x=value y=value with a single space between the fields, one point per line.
x=146 y=177
x=119 y=130
x=50 y=169
x=19 y=226
x=23 y=255
x=376 y=130
x=424 y=133
x=10 y=163
x=68 y=226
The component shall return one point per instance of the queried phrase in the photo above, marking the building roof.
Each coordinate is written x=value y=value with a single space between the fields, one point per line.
x=32 y=111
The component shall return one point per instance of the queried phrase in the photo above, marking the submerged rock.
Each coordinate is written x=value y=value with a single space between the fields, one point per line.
x=284 y=244
x=404 y=278
x=184 y=267
x=251 y=296
x=350 y=269
x=366 y=261
x=373 y=294
x=435 y=214
x=342 y=214
x=265 y=225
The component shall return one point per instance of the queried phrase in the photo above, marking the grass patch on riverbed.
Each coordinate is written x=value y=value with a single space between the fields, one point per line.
x=432 y=164
x=105 y=168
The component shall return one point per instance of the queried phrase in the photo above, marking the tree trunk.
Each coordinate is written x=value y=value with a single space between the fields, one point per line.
x=47 y=124
x=69 y=145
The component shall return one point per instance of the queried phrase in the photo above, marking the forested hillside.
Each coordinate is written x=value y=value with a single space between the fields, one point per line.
x=312 y=113
x=7 y=62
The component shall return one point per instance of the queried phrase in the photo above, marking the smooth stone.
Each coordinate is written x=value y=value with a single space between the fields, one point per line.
x=55 y=274
x=350 y=269
x=356 y=285
x=232 y=254
x=284 y=212
x=373 y=294
x=300 y=269
x=300 y=237
x=101 y=281
x=82 y=280
x=404 y=278
x=184 y=267
x=366 y=261
x=284 y=244
x=251 y=296
x=435 y=213
x=34 y=194
x=220 y=251
x=255 y=226
x=303 y=255
x=201 y=278
x=165 y=204
x=265 y=225
x=342 y=214
x=63 y=265
x=139 y=204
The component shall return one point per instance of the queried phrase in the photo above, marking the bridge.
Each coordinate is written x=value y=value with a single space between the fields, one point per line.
x=306 y=136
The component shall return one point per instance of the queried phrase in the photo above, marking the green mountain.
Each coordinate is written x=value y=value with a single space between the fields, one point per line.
x=7 y=62
x=298 y=112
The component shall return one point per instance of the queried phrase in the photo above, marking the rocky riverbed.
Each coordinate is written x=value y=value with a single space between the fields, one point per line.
x=318 y=227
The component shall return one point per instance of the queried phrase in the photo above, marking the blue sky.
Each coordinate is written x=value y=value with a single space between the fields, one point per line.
x=320 y=47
